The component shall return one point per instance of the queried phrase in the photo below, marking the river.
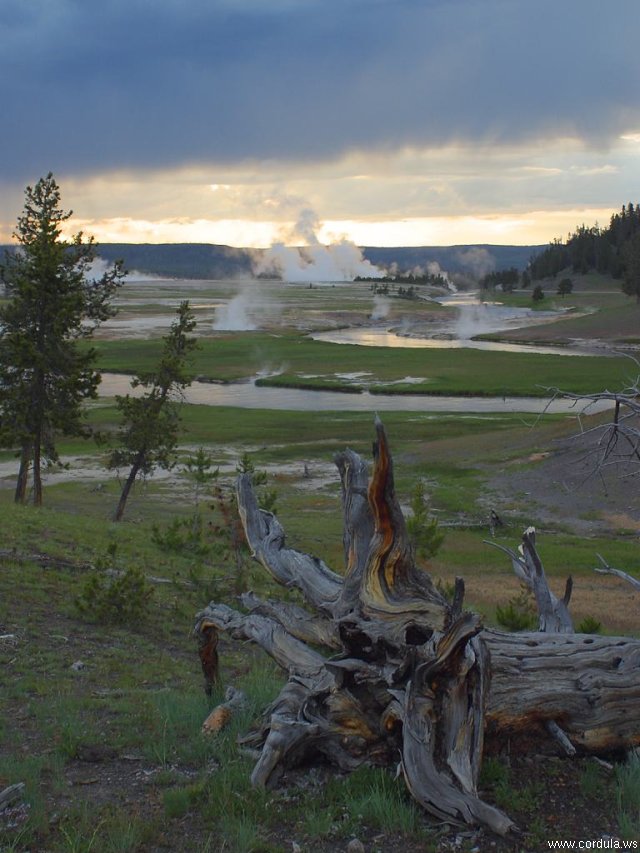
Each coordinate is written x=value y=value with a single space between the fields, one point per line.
x=451 y=331
x=248 y=395
x=375 y=336
x=457 y=330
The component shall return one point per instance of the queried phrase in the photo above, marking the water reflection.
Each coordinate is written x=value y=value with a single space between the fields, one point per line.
x=379 y=337
x=246 y=395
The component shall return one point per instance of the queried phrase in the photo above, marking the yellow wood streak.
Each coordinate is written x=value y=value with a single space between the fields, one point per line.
x=347 y=716
x=380 y=562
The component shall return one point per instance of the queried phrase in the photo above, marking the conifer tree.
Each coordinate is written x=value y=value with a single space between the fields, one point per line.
x=150 y=422
x=631 y=259
x=52 y=305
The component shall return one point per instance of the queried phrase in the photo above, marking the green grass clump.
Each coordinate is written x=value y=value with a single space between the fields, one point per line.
x=628 y=797
x=589 y=625
x=375 y=799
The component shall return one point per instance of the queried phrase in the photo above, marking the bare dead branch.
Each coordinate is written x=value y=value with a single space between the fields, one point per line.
x=606 y=569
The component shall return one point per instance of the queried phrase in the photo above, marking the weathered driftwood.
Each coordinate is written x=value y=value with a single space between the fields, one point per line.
x=589 y=689
x=407 y=673
x=590 y=685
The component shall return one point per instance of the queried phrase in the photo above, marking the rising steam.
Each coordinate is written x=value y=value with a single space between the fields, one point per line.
x=341 y=260
x=381 y=307
x=235 y=316
x=99 y=267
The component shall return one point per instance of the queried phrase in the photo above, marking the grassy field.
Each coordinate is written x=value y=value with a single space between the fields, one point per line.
x=306 y=363
x=102 y=719
x=103 y=696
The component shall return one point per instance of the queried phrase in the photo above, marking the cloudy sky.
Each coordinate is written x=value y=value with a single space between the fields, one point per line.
x=390 y=122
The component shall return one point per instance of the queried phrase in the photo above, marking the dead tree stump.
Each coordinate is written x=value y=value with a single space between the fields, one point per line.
x=405 y=674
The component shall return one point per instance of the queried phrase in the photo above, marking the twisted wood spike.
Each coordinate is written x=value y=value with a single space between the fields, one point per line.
x=391 y=582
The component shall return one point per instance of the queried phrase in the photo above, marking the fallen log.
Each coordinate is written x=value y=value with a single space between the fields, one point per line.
x=404 y=672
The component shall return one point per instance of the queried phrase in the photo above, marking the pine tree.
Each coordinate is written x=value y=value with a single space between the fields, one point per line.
x=45 y=375
x=150 y=423
x=631 y=260
x=424 y=532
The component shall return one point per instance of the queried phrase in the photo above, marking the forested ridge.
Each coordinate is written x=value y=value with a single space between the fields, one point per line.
x=614 y=250
x=211 y=261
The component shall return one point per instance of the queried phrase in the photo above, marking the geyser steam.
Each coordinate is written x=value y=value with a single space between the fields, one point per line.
x=381 y=307
x=341 y=260
x=235 y=316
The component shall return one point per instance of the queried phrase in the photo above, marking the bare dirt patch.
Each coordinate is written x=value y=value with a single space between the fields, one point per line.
x=565 y=488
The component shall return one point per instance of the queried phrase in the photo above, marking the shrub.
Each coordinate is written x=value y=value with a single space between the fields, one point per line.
x=447 y=589
x=182 y=534
x=589 y=625
x=565 y=286
x=538 y=293
x=122 y=597
x=424 y=532
x=519 y=614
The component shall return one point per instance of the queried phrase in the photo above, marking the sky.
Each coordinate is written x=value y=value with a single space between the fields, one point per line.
x=384 y=122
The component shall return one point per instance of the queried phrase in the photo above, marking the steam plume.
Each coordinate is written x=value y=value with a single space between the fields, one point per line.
x=234 y=316
x=341 y=260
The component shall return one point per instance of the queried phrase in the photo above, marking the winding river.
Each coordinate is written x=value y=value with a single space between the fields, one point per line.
x=375 y=336
x=471 y=319
x=248 y=395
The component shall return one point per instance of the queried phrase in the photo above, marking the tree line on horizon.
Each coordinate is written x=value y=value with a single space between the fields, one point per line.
x=614 y=251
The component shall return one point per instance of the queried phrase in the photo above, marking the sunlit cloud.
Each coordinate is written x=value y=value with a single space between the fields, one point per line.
x=530 y=228
x=409 y=196
x=219 y=231
x=533 y=228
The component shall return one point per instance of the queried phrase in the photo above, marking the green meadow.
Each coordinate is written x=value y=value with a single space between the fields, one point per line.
x=305 y=363
x=102 y=688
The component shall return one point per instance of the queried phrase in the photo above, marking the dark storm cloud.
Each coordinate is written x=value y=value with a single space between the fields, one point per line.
x=88 y=87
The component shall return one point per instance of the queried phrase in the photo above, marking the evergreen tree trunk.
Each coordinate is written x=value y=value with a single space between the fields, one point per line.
x=20 y=496
x=126 y=489
x=37 y=477
x=37 y=416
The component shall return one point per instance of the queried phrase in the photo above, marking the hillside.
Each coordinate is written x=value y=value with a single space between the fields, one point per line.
x=210 y=261
x=181 y=260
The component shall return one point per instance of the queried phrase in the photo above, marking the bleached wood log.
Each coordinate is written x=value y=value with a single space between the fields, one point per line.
x=320 y=586
x=590 y=685
x=357 y=524
x=297 y=621
x=11 y=793
x=234 y=700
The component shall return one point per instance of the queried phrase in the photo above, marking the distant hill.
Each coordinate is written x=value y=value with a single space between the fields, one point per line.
x=181 y=260
x=477 y=259
x=210 y=261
